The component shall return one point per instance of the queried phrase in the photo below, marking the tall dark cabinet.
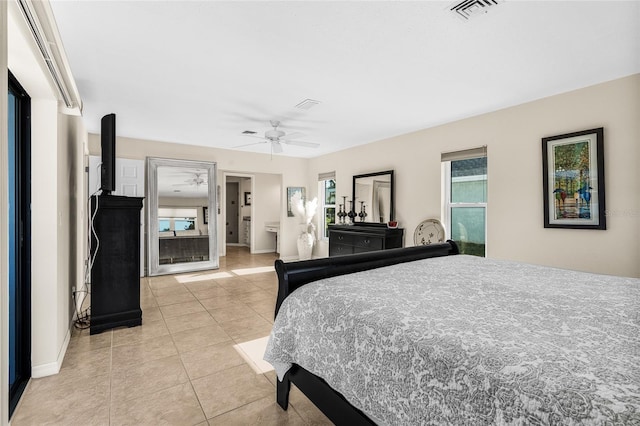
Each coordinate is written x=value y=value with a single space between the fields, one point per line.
x=115 y=275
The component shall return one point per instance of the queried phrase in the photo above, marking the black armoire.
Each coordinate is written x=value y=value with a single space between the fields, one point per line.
x=115 y=275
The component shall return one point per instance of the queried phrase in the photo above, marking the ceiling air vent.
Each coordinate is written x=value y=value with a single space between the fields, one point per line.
x=307 y=104
x=249 y=132
x=467 y=9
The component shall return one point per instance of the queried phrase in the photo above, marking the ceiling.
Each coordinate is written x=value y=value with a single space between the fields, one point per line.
x=202 y=72
x=182 y=182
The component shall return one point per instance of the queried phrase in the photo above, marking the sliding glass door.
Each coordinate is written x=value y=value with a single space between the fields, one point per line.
x=19 y=234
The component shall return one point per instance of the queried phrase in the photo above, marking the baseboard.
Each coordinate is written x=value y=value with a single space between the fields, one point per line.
x=296 y=258
x=263 y=251
x=52 y=368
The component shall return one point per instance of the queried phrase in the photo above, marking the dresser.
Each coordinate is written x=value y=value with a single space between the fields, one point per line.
x=115 y=275
x=350 y=239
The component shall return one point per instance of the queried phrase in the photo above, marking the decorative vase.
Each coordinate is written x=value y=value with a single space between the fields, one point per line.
x=305 y=245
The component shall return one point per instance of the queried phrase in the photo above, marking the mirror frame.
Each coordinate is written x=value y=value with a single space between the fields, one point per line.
x=153 y=255
x=391 y=196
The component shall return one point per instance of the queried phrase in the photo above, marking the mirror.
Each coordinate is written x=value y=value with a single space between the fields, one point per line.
x=373 y=196
x=182 y=216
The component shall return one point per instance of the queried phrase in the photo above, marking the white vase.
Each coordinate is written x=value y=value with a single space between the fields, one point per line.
x=305 y=245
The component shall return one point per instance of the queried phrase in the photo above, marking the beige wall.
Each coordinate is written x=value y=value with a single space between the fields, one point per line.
x=71 y=134
x=513 y=139
x=514 y=213
x=266 y=207
x=291 y=170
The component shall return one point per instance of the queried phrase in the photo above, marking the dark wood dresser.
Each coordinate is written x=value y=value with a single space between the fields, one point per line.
x=115 y=276
x=350 y=239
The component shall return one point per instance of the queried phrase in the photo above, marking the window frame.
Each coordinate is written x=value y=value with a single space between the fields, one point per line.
x=448 y=205
x=323 y=229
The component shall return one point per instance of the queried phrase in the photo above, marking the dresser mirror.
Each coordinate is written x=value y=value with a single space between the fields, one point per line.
x=181 y=236
x=373 y=197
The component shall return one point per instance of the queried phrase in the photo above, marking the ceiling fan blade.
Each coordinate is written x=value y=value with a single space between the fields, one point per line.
x=301 y=143
x=291 y=136
x=253 y=136
x=277 y=147
x=249 y=144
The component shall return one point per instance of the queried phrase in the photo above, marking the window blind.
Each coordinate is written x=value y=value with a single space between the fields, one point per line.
x=464 y=154
x=326 y=176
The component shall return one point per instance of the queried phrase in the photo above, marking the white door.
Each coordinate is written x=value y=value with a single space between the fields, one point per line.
x=129 y=182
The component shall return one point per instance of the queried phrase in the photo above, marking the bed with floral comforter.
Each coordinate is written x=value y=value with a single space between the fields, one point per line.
x=467 y=340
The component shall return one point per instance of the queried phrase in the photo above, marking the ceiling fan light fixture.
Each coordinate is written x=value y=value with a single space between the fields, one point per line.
x=274 y=134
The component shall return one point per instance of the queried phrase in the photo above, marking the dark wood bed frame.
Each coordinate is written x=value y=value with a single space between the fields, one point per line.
x=293 y=275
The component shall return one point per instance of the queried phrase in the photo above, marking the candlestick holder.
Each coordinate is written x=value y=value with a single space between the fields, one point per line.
x=342 y=213
x=363 y=212
x=352 y=214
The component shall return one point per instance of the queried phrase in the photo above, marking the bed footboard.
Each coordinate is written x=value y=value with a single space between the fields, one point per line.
x=331 y=403
x=293 y=275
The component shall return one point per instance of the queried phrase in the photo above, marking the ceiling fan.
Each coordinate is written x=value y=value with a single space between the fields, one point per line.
x=197 y=180
x=278 y=137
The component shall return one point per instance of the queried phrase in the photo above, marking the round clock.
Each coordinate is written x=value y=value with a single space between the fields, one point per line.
x=429 y=231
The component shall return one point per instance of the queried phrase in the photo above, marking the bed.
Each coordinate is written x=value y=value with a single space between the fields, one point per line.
x=423 y=335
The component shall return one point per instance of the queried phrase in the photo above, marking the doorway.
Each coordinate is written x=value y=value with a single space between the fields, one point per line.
x=238 y=188
x=19 y=215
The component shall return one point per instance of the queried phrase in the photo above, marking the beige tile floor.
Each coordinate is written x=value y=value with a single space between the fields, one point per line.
x=179 y=367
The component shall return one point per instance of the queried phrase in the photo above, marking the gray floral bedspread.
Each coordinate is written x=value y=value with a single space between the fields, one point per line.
x=463 y=340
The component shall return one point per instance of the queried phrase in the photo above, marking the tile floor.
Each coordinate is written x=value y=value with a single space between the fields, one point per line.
x=180 y=367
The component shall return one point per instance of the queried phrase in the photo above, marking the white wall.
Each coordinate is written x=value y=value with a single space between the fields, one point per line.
x=46 y=218
x=56 y=150
x=515 y=213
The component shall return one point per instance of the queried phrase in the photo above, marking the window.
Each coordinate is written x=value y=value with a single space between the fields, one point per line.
x=327 y=196
x=176 y=219
x=465 y=201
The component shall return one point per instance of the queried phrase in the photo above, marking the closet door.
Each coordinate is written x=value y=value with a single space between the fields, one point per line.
x=129 y=182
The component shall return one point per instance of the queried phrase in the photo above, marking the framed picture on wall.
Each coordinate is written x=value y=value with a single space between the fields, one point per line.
x=290 y=191
x=573 y=180
x=247 y=198
x=205 y=215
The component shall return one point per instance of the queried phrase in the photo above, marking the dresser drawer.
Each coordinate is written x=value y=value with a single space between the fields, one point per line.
x=368 y=242
x=341 y=238
x=340 y=250
x=350 y=239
